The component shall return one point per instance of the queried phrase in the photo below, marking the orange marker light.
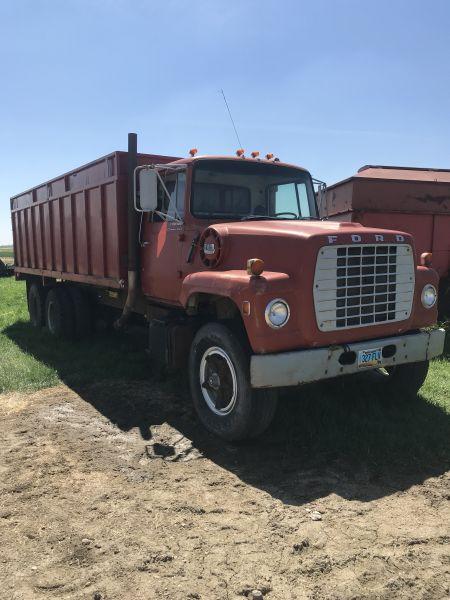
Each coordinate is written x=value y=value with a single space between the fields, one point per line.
x=246 y=308
x=255 y=154
x=193 y=151
x=240 y=152
x=269 y=156
x=426 y=259
x=255 y=267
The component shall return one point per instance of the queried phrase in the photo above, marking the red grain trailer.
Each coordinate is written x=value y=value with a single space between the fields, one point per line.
x=401 y=198
x=74 y=227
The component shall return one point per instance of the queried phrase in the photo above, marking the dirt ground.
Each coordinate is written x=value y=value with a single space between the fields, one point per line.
x=118 y=494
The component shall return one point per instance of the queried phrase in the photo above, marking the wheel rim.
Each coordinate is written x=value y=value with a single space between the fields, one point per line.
x=51 y=311
x=218 y=381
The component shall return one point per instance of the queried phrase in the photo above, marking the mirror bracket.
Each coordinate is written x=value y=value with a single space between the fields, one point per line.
x=156 y=169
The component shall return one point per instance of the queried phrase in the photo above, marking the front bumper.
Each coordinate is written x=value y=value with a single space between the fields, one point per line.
x=305 y=366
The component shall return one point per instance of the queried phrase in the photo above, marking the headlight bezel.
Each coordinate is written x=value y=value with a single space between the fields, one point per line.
x=426 y=288
x=269 y=308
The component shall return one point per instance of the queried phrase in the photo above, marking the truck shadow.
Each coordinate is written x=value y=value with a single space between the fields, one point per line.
x=335 y=437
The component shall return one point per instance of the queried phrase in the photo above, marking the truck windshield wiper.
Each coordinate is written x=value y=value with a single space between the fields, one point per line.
x=275 y=218
x=257 y=217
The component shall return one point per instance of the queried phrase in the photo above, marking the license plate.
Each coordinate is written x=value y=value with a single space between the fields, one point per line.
x=369 y=358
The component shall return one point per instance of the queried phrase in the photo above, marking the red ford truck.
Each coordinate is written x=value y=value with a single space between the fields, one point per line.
x=240 y=281
x=411 y=199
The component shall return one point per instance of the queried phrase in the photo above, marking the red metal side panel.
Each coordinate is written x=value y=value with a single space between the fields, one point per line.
x=69 y=250
x=17 y=257
x=81 y=234
x=24 y=239
x=96 y=227
x=419 y=226
x=48 y=246
x=113 y=242
x=57 y=238
x=441 y=244
x=338 y=199
x=38 y=236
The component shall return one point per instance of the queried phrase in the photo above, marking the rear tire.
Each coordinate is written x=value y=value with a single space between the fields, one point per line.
x=83 y=312
x=220 y=386
x=36 y=304
x=59 y=313
x=402 y=382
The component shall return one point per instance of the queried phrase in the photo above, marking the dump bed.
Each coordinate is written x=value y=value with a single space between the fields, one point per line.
x=413 y=200
x=74 y=227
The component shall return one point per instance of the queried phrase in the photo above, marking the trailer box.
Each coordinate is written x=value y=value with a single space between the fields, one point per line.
x=74 y=227
x=413 y=200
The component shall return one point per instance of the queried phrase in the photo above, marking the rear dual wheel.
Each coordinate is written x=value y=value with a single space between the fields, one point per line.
x=36 y=304
x=59 y=313
x=219 y=378
x=66 y=312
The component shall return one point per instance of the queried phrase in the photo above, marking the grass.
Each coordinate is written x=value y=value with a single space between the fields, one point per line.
x=6 y=252
x=31 y=359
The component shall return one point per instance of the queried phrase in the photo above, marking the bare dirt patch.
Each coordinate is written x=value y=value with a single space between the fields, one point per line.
x=116 y=493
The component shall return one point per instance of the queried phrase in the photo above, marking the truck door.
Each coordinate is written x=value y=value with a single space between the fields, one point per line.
x=161 y=237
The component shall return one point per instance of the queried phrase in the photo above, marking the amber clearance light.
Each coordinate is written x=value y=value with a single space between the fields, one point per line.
x=255 y=266
x=426 y=259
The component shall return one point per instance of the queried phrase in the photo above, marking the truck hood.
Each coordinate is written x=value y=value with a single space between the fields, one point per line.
x=287 y=228
x=284 y=245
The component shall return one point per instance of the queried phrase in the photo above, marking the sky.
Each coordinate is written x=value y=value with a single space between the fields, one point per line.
x=330 y=85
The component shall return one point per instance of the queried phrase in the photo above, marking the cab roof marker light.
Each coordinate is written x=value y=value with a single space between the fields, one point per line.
x=240 y=153
x=193 y=152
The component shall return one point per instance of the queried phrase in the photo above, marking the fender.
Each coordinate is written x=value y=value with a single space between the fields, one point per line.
x=239 y=287
x=235 y=284
x=420 y=316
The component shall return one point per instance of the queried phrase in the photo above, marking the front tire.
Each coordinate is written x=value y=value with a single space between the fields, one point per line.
x=220 y=386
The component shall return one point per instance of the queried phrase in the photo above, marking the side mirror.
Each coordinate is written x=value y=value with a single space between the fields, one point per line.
x=146 y=199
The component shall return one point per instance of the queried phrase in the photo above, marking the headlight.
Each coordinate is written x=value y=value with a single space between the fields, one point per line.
x=277 y=313
x=429 y=296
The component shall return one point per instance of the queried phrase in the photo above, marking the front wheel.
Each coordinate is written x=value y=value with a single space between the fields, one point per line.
x=220 y=386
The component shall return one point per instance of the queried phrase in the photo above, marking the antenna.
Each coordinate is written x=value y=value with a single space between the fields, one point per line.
x=231 y=118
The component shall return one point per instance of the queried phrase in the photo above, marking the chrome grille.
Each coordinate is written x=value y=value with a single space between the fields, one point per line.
x=362 y=285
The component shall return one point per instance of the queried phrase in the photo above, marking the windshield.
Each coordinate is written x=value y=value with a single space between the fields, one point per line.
x=231 y=189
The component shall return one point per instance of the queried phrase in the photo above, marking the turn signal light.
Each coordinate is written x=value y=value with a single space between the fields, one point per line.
x=240 y=152
x=426 y=259
x=246 y=308
x=255 y=266
x=193 y=151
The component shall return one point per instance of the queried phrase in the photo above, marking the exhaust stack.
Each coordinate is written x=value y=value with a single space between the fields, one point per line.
x=133 y=254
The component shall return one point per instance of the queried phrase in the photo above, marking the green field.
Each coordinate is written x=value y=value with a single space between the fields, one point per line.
x=32 y=359
x=6 y=252
x=340 y=416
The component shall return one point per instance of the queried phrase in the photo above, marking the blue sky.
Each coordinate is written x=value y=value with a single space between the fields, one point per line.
x=330 y=85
